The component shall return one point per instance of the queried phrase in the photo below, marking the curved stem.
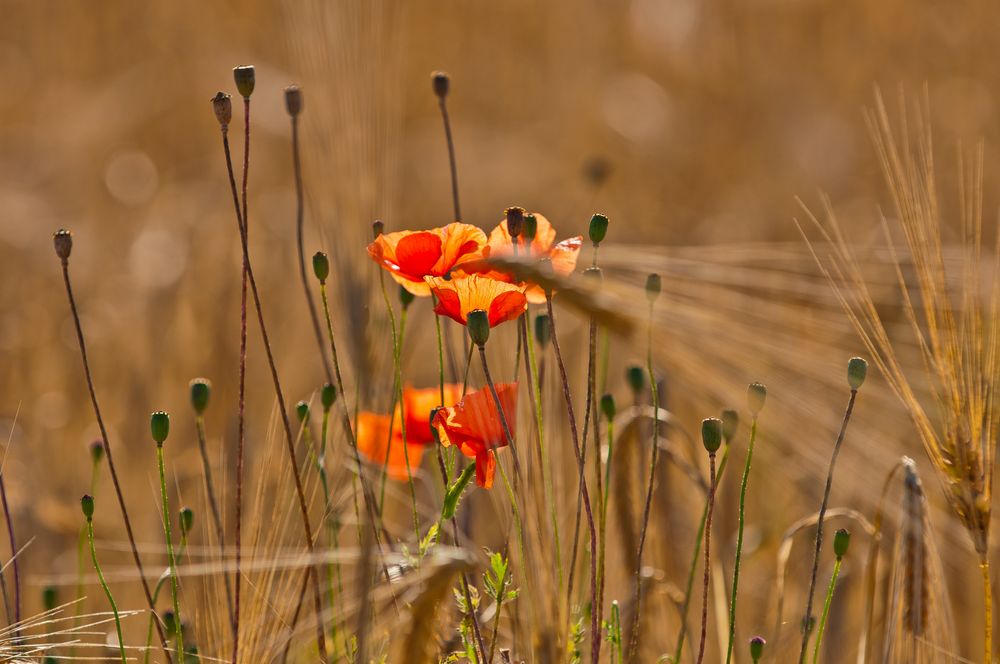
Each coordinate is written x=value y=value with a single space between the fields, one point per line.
x=107 y=591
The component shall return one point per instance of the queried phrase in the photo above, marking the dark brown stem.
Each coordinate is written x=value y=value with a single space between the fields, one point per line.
x=111 y=464
x=807 y=617
x=299 y=221
x=451 y=158
x=595 y=633
x=13 y=555
x=708 y=557
x=216 y=514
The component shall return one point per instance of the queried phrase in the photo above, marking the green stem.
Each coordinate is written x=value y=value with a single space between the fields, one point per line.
x=739 y=540
x=392 y=421
x=174 y=585
x=107 y=591
x=826 y=609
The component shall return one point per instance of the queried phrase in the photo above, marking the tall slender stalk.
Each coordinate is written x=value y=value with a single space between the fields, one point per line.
x=87 y=503
x=840 y=543
x=160 y=425
x=63 y=241
x=13 y=554
x=711 y=436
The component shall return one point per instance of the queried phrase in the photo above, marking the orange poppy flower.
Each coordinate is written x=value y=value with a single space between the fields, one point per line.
x=409 y=256
x=458 y=296
x=373 y=429
x=562 y=255
x=474 y=426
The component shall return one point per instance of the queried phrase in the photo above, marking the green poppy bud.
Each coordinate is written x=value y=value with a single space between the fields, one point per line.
x=730 y=422
x=653 y=287
x=378 y=227
x=406 y=297
x=302 y=410
x=841 y=540
x=543 y=330
x=327 y=396
x=293 y=100
x=186 y=519
x=530 y=229
x=441 y=84
x=96 y=451
x=87 y=505
x=636 y=378
x=515 y=221
x=63 y=241
x=857 y=369
x=756 y=395
x=245 y=77
x=201 y=389
x=711 y=434
x=598 y=228
x=50 y=597
x=159 y=425
x=478 y=324
x=757 y=644
x=222 y=104
x=321 y=266
x=608 y=407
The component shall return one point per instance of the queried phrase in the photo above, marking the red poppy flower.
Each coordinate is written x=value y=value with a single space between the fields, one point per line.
x=474 y=426
x=409 y=256
x=458 y=296
x=373 y=429
x=562 y=255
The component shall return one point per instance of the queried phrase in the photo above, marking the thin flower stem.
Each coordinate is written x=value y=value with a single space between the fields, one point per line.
x=333 y=530
x=595 y=641
x=807 y=617
x=451 y=157
x=290 y=444
x=826 y=610
x=299 y=222
x=13 y=552
x=156 y=594
x=107 y=453
x=392 y=422
x=739 y=539
x=81 y=546
x=634 y=631
x=689 y=588
x=107 y=591
x=708 y=558
x=214 y=507
x=174 y=584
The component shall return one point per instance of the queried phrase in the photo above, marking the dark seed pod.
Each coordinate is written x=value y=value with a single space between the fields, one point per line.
x=222 y=104
x=159 y=426
x=63 y=241
x=87 y=505
x=711 y=434
x=441 y=84
x=478 y=324
x=327 y=396
x=201 y=389
x=293 y=100
x=598 y=228
x=245 y=77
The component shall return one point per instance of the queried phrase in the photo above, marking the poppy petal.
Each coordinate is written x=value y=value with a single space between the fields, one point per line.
x=486 y=466
x=417 y=253
x=507 y=306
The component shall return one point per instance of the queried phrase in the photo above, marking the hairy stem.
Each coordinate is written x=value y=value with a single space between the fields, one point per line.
x=708 y=558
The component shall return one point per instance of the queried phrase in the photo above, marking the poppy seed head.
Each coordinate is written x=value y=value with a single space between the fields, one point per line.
x=530 y=229
x=293 y=100
x=245 y=77
x=159 y=426
x=756 y=396
x=711 y=434
x=857 y=370
x=87 y=505
x=63 y=241
x=441 y=84
x=598 y=228
x=608 y=407
x=515 y=221
x=730 y=422
x=378 y=227
x=186 y=519
x=653 y=287
x=327 y=396
x=222 y=104
x=841 y=540
x=478 y=323
x=321 y=266
x=201 y=389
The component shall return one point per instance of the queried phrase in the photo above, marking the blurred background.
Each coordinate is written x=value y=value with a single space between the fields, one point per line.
x=693 y=125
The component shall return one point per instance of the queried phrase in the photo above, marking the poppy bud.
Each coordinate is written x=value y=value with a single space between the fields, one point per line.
x=515 y=221
x=543 y=330
x=222 y=104
x=96 y=451
x=321 y=266
x=598 y=228
x=857 y=369
x=378 y=227
x=530 y=229
x=841 y=540
x=186 y=519
x=653 y=287
x=595 y=273
x=327 y=396
x=50 y=597
x=201 y=389
x=87 y=505
x=711 y=434
x=756 y=395
x=293 y=100
x=245 y=77
x=478 y=324
x=608 y=407
x=302 y=410
x=440 y=83
x=757 y=644
x=636 y=378
x=63 y=241
x=159 y=425
x=406 y=297
x=730 y=422
x=170 y=621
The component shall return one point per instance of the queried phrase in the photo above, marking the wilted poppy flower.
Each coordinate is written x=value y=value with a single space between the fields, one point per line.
x=458 y=296
x=562 y=255
x=474 y=426
x=373 y=430
x=409 y=256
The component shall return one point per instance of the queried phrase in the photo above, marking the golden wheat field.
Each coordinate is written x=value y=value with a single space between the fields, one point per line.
x=544 y=332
